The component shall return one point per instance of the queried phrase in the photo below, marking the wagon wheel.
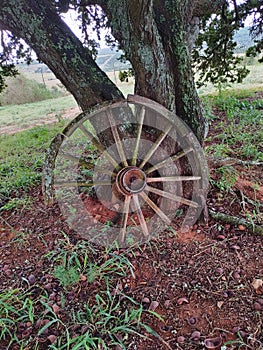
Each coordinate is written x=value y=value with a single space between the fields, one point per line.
x=127 y=170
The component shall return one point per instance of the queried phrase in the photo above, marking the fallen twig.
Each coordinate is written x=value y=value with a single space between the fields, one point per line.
x=218 y=162
x=258 y=229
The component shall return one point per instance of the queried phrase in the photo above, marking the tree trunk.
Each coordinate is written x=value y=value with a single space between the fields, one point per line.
x=154 y=37
x=54 y=43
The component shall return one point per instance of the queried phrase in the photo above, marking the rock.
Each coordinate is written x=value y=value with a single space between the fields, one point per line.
x=220 y=237
x=180 y=339
x=213 y=343
x=56 y=308
x=167 y=303
x=52 y=338
x=153 y=306
x=195 y=335
x=236 y=275
x=236 y=329
x=258 y=306
x=146 y=300
x=192 y=320
x=31 y=279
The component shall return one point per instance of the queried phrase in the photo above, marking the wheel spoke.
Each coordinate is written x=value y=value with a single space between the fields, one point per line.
x=172 y=196
x=141 y=216
x=125 y=216
x=173 y=178
x=82 y=184
x=157 y=210
x=116 y=137
x=155 y=145
x=169 y=159
x=86 y=164
x=138 y=137
x=98 y=145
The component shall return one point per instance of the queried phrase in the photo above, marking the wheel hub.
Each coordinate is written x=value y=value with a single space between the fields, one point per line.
x=130 y=180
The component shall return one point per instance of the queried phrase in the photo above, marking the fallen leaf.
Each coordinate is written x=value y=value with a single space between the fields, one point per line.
x=258 y=285
x=220 y=304
x=182 y=300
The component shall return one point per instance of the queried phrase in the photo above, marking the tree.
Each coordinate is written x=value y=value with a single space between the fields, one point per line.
x=156 y=36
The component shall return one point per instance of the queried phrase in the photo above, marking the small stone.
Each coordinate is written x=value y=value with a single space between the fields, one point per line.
x=118 y=347
x=48 y=286
x=52 y=296
x=235 y=247
x=219 y=270
x=195 y=335
x=192 y=320
x=241 y=228
x=260 y=301
x=8 y=272
x=220 y=237
x=56 y=308
x=31 y=279
x=167 y=303
x=83 y=278
x=146 y=300
x=153 y=306
x=236 y=329
x=258 y=306
x=213 y=343
x=236 y=275
x=52 y=338
x=180 y=339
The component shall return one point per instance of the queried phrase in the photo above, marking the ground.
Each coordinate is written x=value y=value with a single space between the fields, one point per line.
x=200 y=289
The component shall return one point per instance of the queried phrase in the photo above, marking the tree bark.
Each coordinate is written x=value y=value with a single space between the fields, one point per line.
x=153 y=35
x=157 y=37
x=55 y=44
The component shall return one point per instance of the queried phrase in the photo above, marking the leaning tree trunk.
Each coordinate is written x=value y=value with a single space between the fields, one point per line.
x=55 y=44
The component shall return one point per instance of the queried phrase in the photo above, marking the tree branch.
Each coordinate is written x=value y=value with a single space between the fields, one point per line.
x=206 y=7
x=56 y=45
x=233 y=220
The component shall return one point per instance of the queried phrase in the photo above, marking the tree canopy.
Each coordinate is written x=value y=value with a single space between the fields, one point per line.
x=163 y=40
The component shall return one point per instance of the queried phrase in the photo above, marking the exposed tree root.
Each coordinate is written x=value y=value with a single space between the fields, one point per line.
x=236 y=221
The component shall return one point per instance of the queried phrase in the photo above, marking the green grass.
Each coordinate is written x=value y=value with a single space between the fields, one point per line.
x=103 y=319
x=240 y=129
x=29 y=114
x=22 y=157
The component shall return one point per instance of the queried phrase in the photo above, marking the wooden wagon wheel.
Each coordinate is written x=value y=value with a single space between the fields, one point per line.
x=128 y=169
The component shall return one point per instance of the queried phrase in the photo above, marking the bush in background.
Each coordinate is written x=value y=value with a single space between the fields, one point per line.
x=21 y=90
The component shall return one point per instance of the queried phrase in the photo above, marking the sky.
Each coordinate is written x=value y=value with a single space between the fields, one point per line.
x=71 y=19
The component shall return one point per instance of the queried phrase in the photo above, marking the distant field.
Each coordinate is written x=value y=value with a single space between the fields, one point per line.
x=254 y=80
x=19 y=117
